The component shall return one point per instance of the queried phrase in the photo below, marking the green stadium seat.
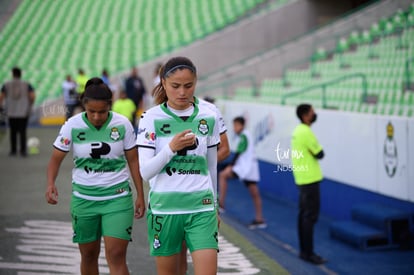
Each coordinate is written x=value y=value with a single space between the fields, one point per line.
x=66 y=35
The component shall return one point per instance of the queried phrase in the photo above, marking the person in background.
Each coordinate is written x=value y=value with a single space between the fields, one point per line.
x=105 y=159
x=135 y=89
x=70 y=95
x=245 y=167
x=124 y=106
x=19 y=96
x=81 y=80
x=177 y=143
x=105 y=77
x=304 y=142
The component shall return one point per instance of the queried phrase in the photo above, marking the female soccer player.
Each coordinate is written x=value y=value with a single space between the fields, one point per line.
x=177 y=142
x=104 y=148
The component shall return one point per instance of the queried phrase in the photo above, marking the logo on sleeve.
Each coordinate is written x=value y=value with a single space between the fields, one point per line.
x=150 y=136
x=65 y=141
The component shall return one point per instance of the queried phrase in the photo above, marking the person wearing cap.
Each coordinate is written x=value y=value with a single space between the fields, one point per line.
x=105 y=158
x=177 y=147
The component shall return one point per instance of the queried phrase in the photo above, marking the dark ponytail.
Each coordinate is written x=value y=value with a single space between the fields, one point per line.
x=96 y=89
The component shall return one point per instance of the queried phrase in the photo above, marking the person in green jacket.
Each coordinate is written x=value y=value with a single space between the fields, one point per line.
x=125 y=106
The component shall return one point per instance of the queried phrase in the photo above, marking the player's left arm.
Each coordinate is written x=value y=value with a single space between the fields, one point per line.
x=55 y=161
x=132 y=159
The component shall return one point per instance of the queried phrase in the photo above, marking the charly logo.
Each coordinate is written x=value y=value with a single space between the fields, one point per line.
x=203 y=127
x=115 y=135
x=390 y=152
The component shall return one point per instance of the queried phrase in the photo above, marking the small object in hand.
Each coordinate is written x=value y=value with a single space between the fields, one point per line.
x=189 y=135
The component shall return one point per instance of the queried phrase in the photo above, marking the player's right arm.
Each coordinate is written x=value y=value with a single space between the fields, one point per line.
x=52 y=173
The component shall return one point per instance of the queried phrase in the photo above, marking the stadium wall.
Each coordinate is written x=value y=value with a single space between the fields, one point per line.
x=368 y=158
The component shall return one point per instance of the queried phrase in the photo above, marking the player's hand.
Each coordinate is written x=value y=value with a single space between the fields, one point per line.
x=139 y=208
x=51 y=194
x=182 y=140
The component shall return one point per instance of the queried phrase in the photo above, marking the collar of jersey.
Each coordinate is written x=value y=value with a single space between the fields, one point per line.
x=85 y=119
x=177 y=118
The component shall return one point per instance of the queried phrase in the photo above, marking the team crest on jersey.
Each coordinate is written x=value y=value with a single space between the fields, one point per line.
x=115 y=135
x=203 y=127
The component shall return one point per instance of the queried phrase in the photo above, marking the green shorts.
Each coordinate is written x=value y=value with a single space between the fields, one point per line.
x=167 y=232
x=93 y=219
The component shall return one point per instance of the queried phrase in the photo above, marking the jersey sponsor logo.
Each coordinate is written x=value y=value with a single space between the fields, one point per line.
x=172 y=170
x=115 y=135
x=101 y=170
x=99 y=149
x=203 y=127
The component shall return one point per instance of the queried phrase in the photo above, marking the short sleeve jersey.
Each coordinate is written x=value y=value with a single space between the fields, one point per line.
x=100 y=168
x=184 y=184
x=305 y=146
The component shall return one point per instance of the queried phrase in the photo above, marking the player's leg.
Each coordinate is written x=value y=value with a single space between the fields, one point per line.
x=167 y=265
x=224 y=175
x=165 y=236
x=205 y=261
x=116 y=229
x=115 y=252
x=183 y=266
x=87 y=234
x=89 y=257
x=201 y=238
x=257 y=200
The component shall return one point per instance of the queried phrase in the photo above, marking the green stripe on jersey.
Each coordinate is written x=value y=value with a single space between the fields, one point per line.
x=88 y=135
x=101 y=164
x=98 y=191
x=168 y=202
x=170 y=127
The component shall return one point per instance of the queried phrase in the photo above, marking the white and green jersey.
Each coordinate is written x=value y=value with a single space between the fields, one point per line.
x=246 y=166
x=100 y=168
x=184 y=184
